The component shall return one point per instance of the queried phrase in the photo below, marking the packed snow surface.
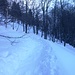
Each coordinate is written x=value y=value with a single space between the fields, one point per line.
x=29 y=54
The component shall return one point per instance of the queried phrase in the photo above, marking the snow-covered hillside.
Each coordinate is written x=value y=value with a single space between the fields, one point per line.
x=29 y=54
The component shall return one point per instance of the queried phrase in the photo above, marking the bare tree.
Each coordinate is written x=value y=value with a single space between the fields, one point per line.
x=61 y=21
x=45 y=6
x=54 y=21
x=26 y=14
x=33 y=9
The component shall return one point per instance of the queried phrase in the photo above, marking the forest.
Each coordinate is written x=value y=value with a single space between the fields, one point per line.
x=55 y=19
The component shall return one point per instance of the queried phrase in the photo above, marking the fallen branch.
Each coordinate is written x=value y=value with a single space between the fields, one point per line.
x=12 y=41
x=12 y=37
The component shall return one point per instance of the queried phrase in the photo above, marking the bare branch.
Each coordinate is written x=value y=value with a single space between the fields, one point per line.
x=12 y=37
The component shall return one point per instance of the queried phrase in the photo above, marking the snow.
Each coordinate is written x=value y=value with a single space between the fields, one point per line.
x=66 y=57
x=32 y=55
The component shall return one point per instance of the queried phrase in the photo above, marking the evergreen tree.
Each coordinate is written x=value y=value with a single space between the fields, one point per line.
x=3 y=7
x=16 y=11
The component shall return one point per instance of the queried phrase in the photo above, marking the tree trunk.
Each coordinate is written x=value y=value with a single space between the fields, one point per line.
x=13 y=25
x=33 y=29
x=26 y=28
x=23 y=27
x=26 y=16
x=37 y=30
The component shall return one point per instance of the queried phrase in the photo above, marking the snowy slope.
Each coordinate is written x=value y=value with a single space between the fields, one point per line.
x=29 y=55
x=66 y=57
x=32 y=55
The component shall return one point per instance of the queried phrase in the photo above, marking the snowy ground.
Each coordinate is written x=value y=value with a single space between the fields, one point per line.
x=32 y=55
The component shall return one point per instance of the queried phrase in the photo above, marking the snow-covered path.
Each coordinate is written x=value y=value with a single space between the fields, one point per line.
x=35 y=63
x=66 y=58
